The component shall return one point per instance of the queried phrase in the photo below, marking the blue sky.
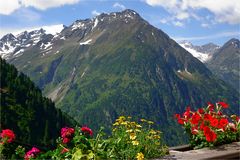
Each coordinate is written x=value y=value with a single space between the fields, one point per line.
x=199 y=21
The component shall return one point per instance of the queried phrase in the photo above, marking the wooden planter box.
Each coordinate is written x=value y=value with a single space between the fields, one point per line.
x=227 y=151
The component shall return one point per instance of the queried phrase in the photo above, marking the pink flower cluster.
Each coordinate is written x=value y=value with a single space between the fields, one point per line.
x=67 y=134
x=87 y=131
x=7 y=134
x=32 y=153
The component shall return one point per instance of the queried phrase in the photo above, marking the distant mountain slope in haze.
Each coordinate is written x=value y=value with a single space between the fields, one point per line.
x=118 y=64
x=226 y=63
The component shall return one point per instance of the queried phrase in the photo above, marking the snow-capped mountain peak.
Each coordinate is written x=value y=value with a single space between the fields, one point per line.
x=203 y=53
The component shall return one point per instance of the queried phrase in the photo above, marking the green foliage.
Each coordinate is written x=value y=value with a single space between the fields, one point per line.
x=129 y=140
x=33 y=117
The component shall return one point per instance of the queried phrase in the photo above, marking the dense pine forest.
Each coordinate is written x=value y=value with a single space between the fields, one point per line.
x=33 y=117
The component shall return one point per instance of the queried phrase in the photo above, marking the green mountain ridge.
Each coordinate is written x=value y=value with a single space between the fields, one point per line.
x=119 y=64
x=225 y=63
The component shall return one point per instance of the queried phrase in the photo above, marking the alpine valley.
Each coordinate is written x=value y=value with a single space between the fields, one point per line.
x=117 y=64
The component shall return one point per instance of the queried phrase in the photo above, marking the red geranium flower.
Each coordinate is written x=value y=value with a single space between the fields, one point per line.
x=8 y=134
x=223 y=104
x=177 y=116
x=223 y=123
x=210 y=135
x=67 y=134
x=32 y=153
x=200 y=110
x=87 y=130
x=194 y=130
x=214 y=122
x=202 y=126
x=195 y=118
x=64 y=150
x=207 y=117
x=211 y=106
x=187 y=113
x=180 y=121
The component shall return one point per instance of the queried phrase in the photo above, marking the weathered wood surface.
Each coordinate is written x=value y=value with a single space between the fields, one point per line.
x=227 y=151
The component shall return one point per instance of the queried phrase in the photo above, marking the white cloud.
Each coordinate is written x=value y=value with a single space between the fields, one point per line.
x=9 y=6
x=205 y=25
x=214 y=36
x=164 y=21
x=95 y=13
x=178 y=23
x=44 y=4
x=118 y=5
x=224 y=11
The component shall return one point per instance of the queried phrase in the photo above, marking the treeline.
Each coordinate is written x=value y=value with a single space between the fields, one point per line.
x=33 y=117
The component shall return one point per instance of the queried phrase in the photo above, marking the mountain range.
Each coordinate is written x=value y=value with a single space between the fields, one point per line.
x=203 y=53
x=117 y=64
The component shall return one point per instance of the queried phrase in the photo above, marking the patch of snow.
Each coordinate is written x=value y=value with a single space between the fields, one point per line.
x=56 y=52
x=152 y=34
x=86 y=42
x=36 y=40
x=18 y=52
x=83 y=74
x=187 y=71
x=73 y=72
x=7 y=49
x=95 y=23
x=46 y=46
x=128 y=16
x=77 y=25
x=203 y=57
x=63 y=38
x=27 y=45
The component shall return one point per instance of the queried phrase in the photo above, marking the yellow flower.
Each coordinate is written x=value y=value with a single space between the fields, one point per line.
x=140 y=156
x=150 y=122
x=132 y=136
x=129 y=117
x=124 y=123
x=138 y=126
x=135 y=143
x=129 y=130
x=156 y=137
x=122 y=118
x=137 y=130
x=116 y=124
x=152 y=131
x=143 y=120
x=133 y=123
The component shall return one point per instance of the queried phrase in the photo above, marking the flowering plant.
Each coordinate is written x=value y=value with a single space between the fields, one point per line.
x=7 y=136
x=208 y=127
x=129 y=140
x=135 y=140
